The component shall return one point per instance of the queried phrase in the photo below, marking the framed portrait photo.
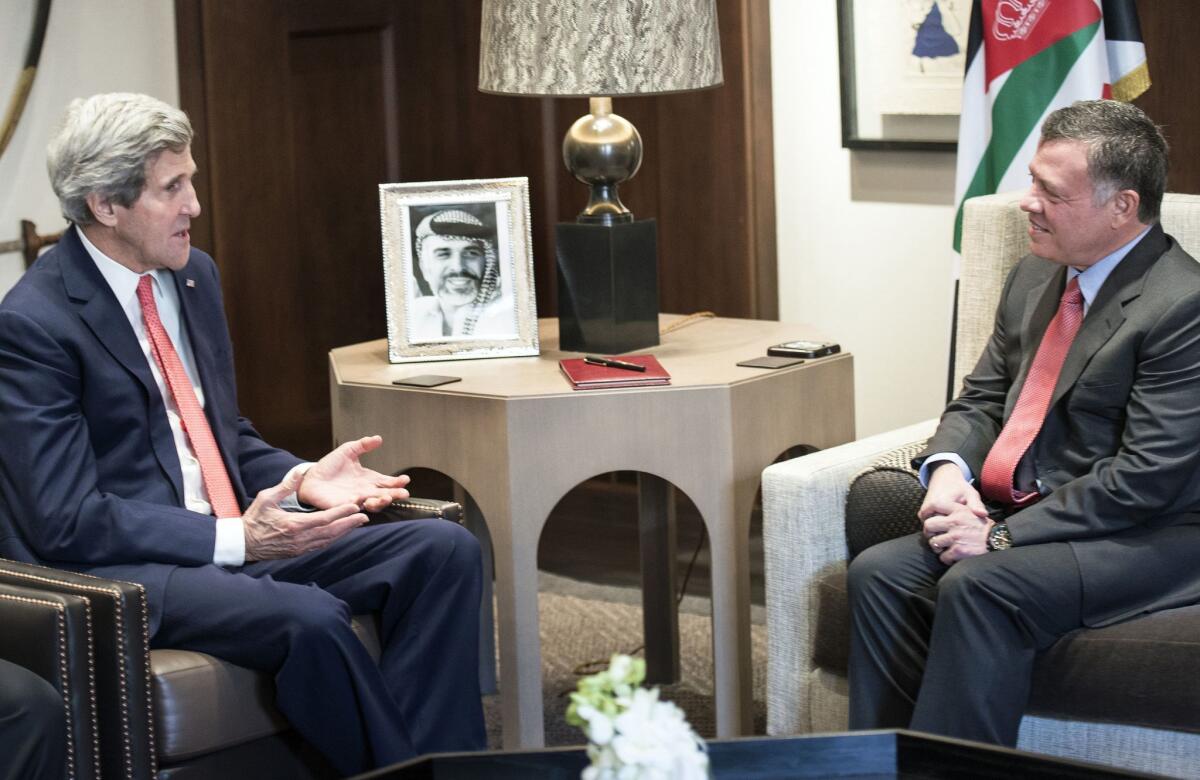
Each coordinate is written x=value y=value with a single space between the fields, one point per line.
x=458 y=270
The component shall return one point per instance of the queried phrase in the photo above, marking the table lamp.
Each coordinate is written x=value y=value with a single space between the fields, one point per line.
x=607 y=266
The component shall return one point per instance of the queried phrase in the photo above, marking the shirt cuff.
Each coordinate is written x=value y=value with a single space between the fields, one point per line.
x=292 y=502
x=231 y=542
x=942 y=457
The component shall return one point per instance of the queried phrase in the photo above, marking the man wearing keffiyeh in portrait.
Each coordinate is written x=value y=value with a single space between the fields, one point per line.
x=458 y=274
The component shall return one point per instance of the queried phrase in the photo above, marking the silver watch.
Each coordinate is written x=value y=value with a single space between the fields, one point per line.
x=999 y=538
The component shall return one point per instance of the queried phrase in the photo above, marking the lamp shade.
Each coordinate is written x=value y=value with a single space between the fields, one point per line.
x=598 y=47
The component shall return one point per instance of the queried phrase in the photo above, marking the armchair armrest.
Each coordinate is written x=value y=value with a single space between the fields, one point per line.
x=120 y=655
x=420 y=509
x=804 y=538
x=50 y=634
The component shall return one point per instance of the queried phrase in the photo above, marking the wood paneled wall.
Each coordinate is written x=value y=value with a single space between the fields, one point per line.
x=1170 y=29
x=302 y=107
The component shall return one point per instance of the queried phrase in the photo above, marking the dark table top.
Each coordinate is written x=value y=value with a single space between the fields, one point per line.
x=870 y=754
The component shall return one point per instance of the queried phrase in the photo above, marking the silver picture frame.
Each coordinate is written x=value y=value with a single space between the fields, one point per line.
x=458 y=270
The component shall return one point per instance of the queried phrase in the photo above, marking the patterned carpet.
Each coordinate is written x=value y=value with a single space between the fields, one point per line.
x=582 y=623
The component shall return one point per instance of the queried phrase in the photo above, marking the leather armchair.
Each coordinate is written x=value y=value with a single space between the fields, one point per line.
x=1124 y=695
x=139 y=713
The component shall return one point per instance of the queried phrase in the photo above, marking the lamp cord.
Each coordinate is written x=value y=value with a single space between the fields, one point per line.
x=592 y=667
x=683 y=322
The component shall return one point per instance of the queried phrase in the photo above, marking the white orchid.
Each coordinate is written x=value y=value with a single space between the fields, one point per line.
x=631 y=734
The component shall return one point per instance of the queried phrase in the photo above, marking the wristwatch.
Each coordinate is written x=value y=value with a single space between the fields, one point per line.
x=999 y=538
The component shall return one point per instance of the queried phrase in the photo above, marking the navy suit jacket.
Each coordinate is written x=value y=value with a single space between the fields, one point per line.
x=89 y=475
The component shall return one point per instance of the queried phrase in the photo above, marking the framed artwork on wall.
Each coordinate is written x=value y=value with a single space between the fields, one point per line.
x=902 y=65
x=458 y=270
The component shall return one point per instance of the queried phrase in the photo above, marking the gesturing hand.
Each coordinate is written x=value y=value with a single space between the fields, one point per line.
x=339 y=478
x=272 y=532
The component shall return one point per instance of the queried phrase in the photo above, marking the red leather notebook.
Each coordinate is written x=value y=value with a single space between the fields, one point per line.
x=585 y=376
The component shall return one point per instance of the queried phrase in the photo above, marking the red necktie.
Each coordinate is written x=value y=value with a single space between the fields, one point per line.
x=1030 y=412
x=212 y=468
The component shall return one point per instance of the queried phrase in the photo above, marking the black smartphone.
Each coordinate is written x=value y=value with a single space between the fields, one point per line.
x=426 y=380
x=804 y=349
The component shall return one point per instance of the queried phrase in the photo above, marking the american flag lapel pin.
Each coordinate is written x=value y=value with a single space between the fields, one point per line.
x=190 y=282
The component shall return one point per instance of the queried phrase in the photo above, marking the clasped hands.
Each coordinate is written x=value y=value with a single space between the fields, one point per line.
x=338 y=485
x=956 y=523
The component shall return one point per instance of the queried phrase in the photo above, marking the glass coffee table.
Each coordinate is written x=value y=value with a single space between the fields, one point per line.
x=867 y=754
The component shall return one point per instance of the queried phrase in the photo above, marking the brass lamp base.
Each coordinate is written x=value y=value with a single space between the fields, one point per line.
x=603 y=149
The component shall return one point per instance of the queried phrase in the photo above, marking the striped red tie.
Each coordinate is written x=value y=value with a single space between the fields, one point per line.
x=195 y=424
x=1028 y=415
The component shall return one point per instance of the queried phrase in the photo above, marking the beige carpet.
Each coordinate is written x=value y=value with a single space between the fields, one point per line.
x=581 y=624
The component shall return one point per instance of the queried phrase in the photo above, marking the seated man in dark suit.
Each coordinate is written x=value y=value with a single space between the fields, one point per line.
x=33 y=726
x=1062 y=482
x=122 y=454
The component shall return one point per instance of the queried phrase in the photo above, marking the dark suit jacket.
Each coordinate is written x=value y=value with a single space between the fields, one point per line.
x=1119 y=453
x=89 y=476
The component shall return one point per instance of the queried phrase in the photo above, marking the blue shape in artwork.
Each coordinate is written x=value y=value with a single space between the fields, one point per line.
x=932 y=38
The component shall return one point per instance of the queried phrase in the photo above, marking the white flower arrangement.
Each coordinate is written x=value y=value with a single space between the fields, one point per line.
x=631 y=734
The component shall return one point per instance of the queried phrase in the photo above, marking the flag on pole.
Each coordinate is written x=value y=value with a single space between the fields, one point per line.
x=1026 y=58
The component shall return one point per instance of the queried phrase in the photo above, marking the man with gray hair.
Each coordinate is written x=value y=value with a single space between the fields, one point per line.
x=1062 y=486
x=124 y=455
x=458 y=274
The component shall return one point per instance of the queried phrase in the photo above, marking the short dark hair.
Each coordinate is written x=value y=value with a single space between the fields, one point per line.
x=1126 y=150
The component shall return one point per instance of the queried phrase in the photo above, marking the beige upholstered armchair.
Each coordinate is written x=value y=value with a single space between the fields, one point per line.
x=1126 y=695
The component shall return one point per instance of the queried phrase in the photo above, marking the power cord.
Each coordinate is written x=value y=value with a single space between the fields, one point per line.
x=683 y=322
x=592 y=667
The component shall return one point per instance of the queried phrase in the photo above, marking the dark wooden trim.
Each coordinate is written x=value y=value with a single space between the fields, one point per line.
x=189 y=43
x=759 y=119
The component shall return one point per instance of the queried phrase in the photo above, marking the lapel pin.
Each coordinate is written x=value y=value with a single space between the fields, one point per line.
x=191 y=282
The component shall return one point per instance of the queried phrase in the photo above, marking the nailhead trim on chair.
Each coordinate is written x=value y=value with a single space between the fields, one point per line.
x=149 y=682
x=434 y=508
x=122 y=681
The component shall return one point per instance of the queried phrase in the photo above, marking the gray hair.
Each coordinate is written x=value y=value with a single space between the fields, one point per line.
x=104 y=146
x=1126 y=150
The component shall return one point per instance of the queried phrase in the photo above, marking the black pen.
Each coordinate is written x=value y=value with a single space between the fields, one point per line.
x=612 y=363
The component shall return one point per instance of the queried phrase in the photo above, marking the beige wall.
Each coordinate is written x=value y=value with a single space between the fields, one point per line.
x=864 y=237
x=118 y=45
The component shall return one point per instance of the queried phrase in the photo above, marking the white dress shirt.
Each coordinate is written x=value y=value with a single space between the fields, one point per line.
x=230 y=548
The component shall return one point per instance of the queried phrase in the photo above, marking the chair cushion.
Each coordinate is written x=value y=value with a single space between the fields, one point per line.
x=883 y=500
x=203 y=704
x=1141 y=672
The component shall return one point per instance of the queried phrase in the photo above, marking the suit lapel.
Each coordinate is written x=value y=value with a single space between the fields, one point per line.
x=103 y=315
x=1107 y=312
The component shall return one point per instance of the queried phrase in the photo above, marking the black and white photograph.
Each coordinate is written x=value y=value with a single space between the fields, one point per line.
x=458 y=269
x=462 y=287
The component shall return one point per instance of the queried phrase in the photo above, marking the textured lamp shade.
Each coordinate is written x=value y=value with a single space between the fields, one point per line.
x=584 y=48
x=598 y=49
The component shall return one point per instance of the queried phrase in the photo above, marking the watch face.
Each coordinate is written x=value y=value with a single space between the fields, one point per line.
x=999 y=538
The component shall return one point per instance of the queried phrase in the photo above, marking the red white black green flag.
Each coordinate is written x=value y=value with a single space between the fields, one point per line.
x=1026 y=58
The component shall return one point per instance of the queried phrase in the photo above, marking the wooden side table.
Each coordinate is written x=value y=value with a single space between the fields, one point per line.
x=517 y=438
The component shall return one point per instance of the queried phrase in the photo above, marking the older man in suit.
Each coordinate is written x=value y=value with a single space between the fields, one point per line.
x=122 y=454
x=1062 y=482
